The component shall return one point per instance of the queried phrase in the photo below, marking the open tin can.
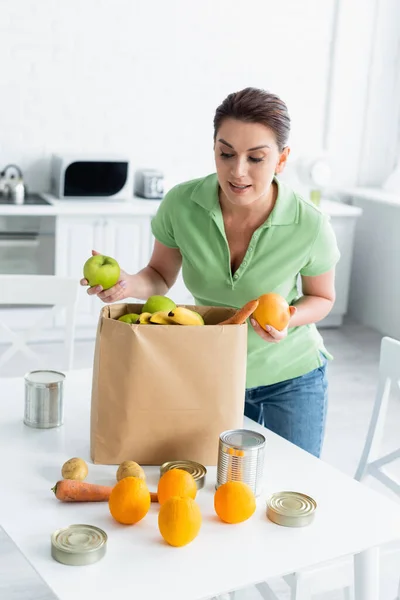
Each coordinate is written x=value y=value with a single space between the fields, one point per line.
x=241 y=458
x=291 y=509
x=44 y=392
x=78 y=545
x=197 y=470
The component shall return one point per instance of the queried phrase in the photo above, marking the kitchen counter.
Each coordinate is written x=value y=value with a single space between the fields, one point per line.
x=77 y=207
x=136 y=206
x=375 y=194
x=123 y=230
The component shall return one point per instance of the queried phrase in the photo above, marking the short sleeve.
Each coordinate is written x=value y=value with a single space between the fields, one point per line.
x=324 y=252
x=162 y=222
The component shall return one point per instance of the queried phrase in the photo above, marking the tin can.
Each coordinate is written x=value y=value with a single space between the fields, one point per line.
x=291 y=509
x=44 y=399
x=197 y=470
x=78 y=545
x=241 y=458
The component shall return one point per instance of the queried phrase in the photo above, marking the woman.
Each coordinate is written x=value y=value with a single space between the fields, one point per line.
x=241 y=233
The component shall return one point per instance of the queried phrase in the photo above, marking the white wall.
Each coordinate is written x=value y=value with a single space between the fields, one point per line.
x=145 y=77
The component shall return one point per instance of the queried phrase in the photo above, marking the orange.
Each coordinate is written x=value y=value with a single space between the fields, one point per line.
x=129 y=500
x=179 y=520
x=176 y=482
x=272 y=310
x=234 y=502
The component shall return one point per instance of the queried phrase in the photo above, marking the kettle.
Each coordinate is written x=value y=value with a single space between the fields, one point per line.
x=12 y=186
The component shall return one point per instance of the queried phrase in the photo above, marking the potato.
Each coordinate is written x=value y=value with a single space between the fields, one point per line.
x=75 y=468
x=129 y=468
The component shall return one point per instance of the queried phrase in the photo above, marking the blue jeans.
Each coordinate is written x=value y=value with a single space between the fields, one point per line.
x=294 y=409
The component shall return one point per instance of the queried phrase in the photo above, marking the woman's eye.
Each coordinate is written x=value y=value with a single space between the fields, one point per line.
x=255 y=160
x=225 y=155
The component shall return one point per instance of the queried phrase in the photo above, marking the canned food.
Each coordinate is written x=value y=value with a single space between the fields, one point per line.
x=78 y=545
x=241 y=458
x=197 y=470
x=291 y=509
x=44 y=399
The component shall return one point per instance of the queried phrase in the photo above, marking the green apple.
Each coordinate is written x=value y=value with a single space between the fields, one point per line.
x=158 y=304
x=101 y=270
x=129 y=318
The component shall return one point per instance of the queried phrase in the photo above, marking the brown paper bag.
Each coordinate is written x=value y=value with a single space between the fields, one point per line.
x=165 y=392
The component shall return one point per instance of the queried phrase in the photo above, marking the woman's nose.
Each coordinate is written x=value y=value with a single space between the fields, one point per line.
x=239 y=168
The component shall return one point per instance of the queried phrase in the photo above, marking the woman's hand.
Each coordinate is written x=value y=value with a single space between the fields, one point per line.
x=119 y=291
x=272 y=335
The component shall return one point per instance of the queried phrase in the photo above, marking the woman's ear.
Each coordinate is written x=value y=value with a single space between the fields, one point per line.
x=282 y=160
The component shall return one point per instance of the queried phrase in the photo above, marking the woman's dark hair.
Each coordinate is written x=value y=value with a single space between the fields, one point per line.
x=253 y=105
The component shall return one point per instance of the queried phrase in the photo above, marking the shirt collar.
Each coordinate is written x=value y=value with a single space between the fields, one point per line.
x=285 y=211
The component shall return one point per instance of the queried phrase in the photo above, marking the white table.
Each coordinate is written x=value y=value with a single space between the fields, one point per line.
x=351 y=518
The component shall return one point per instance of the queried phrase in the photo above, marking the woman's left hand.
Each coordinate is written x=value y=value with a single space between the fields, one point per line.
x=272 y=335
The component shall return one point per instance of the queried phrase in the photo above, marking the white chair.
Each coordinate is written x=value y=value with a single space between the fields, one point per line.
x=56 y=293
x=371 y=463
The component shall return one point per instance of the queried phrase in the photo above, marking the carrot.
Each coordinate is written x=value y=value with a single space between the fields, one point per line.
x=70 y=490
x=242 y=314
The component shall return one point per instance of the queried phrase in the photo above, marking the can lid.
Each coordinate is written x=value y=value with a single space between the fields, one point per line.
x=78 y=544
x=44 y=377
x=197 y=470
x=290 y=508
x=242 y=438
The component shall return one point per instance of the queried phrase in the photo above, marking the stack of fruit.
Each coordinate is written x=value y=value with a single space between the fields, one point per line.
x=129 y=500
x=160 y=310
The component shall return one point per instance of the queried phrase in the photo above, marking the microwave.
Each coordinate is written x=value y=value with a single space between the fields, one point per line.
x=90 y=176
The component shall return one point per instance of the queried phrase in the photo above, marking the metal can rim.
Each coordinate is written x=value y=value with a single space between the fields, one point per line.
x=176 y=464
x=43 y=384
x=288 y=516
x=77 y=552
x=259 y=446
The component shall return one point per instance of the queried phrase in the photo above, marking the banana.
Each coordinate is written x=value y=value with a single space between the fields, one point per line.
x=144 y=318
x=161 y=318
x=185 y=316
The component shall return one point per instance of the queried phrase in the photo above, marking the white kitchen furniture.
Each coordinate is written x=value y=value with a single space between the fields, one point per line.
x=344 y=221
x=375 y=278
x=122 y=230
x=60 y=294
x=351 y=519
x=372 y=462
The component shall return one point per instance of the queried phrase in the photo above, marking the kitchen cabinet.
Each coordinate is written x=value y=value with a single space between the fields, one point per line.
x=344 y=220
x=122 y=230
x=127 y=239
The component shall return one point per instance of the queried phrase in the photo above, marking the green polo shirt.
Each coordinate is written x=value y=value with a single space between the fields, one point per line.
x=297 y=238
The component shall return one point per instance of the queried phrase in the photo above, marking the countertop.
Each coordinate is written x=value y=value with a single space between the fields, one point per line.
x=135 y=207
x=374 y=194
x=83 y=207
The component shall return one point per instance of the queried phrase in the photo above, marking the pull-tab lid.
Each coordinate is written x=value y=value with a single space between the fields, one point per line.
x=242 y=439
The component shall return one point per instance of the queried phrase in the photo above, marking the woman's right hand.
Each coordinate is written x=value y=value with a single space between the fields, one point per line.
x=117 y=292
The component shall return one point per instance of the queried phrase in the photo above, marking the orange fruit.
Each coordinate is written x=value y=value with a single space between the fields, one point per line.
x=234 y=502
x=129 y=500
x=179 y=520
x=176 y=482
x=273 y=310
